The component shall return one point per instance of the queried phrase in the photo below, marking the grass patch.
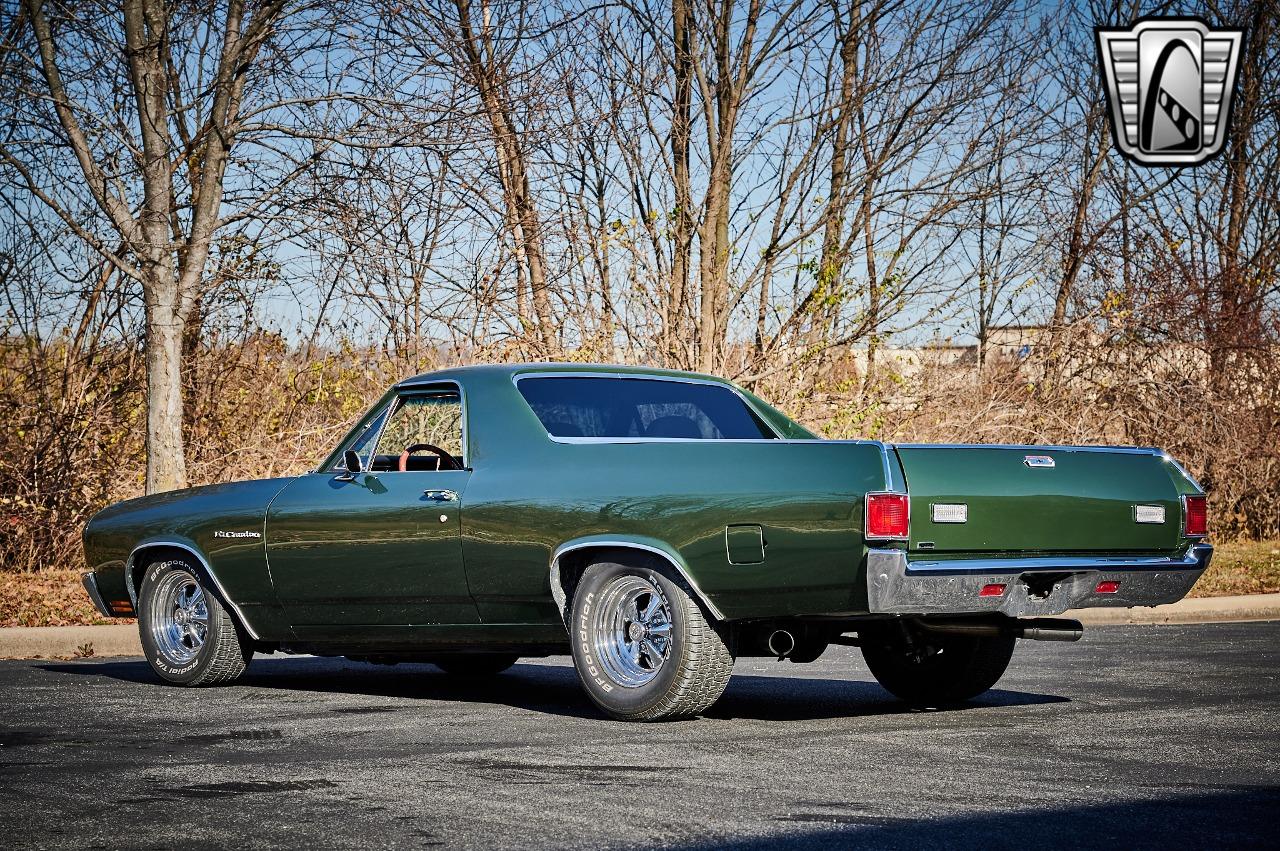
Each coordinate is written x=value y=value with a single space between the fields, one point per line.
x=1241 y=567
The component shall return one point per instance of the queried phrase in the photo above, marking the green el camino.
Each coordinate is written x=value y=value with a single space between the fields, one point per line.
x=655 y=524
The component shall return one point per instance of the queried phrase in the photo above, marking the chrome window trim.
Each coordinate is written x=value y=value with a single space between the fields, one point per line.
x=557 y=590
x=402 y=390
x=1125 y=450
x=516 y=378
x=223 y=597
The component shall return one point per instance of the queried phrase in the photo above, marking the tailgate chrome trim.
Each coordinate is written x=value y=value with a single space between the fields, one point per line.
x=1197 y=556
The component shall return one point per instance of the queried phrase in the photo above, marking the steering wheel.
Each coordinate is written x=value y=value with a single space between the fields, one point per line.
x=447 y=461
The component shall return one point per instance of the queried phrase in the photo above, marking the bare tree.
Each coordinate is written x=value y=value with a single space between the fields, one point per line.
x=146 y=105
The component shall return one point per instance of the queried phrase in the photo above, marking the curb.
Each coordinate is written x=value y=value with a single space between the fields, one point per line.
x=35 y=642
x=1249 y=607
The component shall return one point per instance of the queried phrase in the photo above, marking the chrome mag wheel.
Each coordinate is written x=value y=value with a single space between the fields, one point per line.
x=179 y=617
x=631 y=630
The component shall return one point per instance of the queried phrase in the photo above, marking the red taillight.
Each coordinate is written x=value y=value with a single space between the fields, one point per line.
x=995 y=589
x=1195 y=516
x=888 y=515
x=1107 y=586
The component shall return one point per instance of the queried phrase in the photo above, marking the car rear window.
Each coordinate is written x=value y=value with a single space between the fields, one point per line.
x=630 y=407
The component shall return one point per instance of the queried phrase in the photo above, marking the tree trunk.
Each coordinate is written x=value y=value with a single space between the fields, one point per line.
x=166 y=460
x=146 y=37
x=682 y=230
x=522 y=213
x=832 y=258
x=1236 y=325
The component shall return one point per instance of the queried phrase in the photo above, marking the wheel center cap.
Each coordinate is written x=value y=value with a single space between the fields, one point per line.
x=636 y=631
x=181 y=616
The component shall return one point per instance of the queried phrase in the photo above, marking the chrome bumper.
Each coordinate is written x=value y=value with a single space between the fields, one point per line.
x=1033 y=586
x=95 y=596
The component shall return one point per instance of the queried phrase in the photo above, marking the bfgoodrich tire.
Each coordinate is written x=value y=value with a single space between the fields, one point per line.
x=187 y=635
x=642 y=646
x=936 y=669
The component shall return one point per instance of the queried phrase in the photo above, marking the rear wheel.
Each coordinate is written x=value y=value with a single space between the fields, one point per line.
x=187 y=635
x=475 y=664
x=929 y=668
x=643 y=648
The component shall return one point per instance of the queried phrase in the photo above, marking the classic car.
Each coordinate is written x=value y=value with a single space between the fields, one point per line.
x=654 y=524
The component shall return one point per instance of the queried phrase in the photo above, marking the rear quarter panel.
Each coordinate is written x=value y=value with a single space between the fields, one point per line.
x=530 y=494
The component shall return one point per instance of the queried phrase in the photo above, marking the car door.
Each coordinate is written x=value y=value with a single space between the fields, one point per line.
x=381 y=547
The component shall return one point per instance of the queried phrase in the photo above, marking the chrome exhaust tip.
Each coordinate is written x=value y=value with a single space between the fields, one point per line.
x=781 y=643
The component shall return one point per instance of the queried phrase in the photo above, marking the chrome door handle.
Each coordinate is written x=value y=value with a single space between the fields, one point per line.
x=441 y=495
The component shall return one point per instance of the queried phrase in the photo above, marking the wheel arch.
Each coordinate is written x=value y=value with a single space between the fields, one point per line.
x=149 y=552
x=572 y=557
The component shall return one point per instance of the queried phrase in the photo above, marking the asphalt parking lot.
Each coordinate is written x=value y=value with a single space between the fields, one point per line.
x=1146 y=736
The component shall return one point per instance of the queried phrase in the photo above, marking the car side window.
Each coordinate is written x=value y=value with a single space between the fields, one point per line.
x=611 y=407
x=420 y=420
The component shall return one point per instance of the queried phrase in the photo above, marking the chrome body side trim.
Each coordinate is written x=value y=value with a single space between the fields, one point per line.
x=208 y=570
x=557 y=589
x=1123 y=450
x=90 y=583
x=1041 y=585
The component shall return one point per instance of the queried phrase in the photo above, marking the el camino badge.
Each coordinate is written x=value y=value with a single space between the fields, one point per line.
x=1038 y=461
x=222 y=534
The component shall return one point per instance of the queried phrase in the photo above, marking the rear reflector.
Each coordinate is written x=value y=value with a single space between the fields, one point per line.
x=888 y=516
x=995 y=589
x=1107 y=587
x=1195 y=516
x=955 y=512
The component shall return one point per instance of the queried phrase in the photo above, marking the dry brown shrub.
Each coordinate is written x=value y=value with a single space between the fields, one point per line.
x=260 y=407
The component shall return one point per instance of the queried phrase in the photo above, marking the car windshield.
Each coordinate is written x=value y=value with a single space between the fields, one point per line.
x=612 y=407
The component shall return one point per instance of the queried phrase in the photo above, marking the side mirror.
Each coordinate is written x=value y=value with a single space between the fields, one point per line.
x=351 y=461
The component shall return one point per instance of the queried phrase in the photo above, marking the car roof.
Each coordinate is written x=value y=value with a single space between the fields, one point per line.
x=512 y=369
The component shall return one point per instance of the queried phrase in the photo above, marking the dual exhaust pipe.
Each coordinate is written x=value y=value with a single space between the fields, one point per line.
x=782 y=643
x=1032 y=629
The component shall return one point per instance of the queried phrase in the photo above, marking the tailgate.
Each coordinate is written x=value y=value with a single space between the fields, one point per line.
x=1079 y=500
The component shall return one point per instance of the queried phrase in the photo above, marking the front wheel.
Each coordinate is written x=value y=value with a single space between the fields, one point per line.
x=929 y=668
x=187 y=635
x=642 y=647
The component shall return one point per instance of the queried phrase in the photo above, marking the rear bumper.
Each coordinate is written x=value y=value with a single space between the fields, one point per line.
x=1033 y=586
